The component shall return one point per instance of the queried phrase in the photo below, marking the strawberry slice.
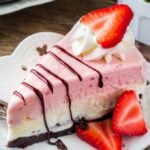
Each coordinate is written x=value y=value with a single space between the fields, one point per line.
x=100 y=135
x=128 y=117
x=109 y=24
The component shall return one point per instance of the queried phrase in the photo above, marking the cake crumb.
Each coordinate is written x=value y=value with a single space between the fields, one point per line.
x=148 y=82
x=57 y=124
x=141 y=96
x=42 y=50
x=24 y=68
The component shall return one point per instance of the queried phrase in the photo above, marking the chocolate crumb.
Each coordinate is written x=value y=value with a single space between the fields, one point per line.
x=60 y=145
x=57 y=124
x=42 y=50
x=140 y=96
x=83 y=124
x=33 y=132
x=148 y=83
x=24 y=68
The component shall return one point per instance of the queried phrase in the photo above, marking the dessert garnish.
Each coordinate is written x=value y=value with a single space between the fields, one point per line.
x=128 y=118
x=109 y=24
x=103 y=33
x=101 y=136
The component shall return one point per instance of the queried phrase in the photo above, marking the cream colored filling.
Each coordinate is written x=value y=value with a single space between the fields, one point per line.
x=91 y=107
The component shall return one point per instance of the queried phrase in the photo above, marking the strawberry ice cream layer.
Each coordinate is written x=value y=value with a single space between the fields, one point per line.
x=87 y=99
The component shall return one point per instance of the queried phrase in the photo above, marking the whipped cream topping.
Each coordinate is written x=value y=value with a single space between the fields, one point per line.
x=84 y=44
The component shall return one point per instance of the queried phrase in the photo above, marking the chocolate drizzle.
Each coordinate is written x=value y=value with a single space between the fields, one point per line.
x=65 y=84
x=65 y=64
x=42 y=78
x=83 y=124
x=100 y=84
x=141 y=96
x=58 y=143
x=61 y=145
x=20 y=96
x=40 y=96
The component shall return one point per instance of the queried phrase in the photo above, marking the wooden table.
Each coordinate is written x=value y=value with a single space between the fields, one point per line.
x=58 y=16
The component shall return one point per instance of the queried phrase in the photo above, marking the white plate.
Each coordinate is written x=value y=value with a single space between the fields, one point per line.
x=21 y=4
x=25 y=55
x=26 y=50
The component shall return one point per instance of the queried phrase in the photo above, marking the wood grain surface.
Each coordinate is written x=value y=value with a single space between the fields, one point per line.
x=58 y=16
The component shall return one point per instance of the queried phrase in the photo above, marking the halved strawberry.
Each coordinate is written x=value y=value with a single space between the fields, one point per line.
x=128 y=116
x=100 y=135
x=109 y=24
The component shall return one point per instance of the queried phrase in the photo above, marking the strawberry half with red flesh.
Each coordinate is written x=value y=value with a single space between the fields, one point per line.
x=128 y=117
x=100 y=135
x=109 y=24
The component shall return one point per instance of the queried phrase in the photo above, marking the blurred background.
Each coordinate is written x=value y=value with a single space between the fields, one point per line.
x=57 y=16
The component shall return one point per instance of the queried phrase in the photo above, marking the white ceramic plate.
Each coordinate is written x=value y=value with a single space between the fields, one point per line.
x=21 y=4
x=26 y=50
x=25 y=55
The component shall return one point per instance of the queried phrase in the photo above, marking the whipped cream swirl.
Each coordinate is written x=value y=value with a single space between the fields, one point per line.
x=84 y=44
